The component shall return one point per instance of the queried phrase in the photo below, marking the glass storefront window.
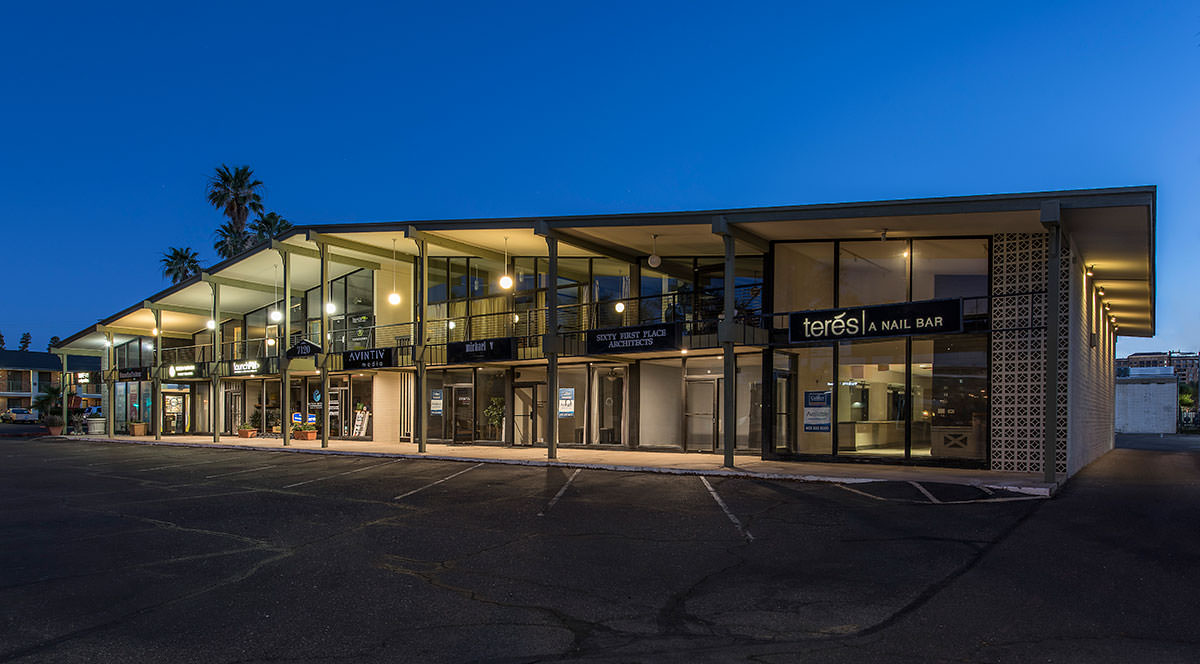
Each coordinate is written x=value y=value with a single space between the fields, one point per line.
x=361 y=394
x=872 y=272
x=608 y=404
x=871 y=401
x=491 y=404
x=804 y=400
x=571 y=401
x=950 y=399
x=803 y=277
x=360 y=298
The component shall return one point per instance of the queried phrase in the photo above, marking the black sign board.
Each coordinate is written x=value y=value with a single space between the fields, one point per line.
x=257 y=367
x=304 y=348
x=484 y=350
x=639 y=339
x=373 y=358
x=186 y=371
x=885 y=320
x=129 y=375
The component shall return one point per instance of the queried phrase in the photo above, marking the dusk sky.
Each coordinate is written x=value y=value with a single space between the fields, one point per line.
x=115 y=114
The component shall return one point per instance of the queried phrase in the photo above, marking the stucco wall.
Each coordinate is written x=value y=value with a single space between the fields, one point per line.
x=1144 y=407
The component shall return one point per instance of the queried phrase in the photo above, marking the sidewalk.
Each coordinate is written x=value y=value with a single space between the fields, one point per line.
x=678 y=463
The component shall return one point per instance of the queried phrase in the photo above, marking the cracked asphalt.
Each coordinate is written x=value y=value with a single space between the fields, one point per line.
x=119 y=553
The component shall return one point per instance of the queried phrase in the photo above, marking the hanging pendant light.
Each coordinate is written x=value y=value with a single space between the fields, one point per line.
x=276 y=315
x=654 y=260
x=506 y=281
x=394 y=296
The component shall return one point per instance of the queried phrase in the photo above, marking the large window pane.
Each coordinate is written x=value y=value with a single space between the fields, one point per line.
x=950 y=400
x=803 y=277
x=872 y=272
x=953 y=269
x=870 y=398
x=804 y=400
x=360 y=298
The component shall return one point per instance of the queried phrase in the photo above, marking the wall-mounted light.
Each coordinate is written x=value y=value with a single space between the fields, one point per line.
x=1107 y=306
x=620 y=307
x=1100 y=290
x=154 y=332
x=683 y=351
x=1091 y=270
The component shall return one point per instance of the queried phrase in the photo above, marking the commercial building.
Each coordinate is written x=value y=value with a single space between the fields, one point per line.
x=911 y=331
x=1147 y=400
x=1186 y=365
x=25 y=374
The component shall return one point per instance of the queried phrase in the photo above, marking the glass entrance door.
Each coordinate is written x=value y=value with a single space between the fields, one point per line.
x=176 y=408
x=463 y=417
x=233 y=411
x=700 y=414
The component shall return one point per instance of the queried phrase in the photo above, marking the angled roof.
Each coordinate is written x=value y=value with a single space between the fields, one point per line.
x=39 y=361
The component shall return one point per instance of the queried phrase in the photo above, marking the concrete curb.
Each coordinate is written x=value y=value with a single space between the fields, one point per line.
x=1035 y=490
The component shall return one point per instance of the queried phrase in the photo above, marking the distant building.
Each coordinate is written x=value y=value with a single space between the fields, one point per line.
x=1186 y=365
x=26 y=374
x=1147 y=400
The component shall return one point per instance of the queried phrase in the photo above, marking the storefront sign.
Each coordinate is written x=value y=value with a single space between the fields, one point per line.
x=817 y=410
x=83 y=378
x=297 y=418
x=639 y=339
x=369 y=359
x=185 y=371
x=435 y=402
x=566 y=402
x=130 y=375
x=244 y=367
x=303 y=348
x=485 y=350
x=886 y=320
x=312 y=419
x=314 y=400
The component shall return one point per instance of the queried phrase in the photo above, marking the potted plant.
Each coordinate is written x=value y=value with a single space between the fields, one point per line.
x=247 y=430
x=494 y=413
x=137 y=428
x=304 y=431
x=54 y=423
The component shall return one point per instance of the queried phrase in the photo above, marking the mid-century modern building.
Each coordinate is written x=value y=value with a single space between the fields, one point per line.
x=910 y=331
x=25 y=374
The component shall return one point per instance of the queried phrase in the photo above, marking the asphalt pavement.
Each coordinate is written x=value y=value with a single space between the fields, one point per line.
x=115 y=553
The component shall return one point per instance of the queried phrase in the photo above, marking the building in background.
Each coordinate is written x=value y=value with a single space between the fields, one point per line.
x=25 y=374
x=1148 y=400
x=1186 y=365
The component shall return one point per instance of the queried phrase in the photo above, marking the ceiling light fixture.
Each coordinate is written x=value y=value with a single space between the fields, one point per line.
x=394 y=296
x=883 y=236
x=506 y=281
x=620 y=307
x=275 y=315
x=654 y=260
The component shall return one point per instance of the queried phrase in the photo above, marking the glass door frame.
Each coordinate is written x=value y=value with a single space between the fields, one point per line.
x=716 y=382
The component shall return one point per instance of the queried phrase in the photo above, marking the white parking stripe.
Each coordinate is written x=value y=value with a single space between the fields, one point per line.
x=348 y=472
x=560 y=492
x=180 y=465
x=239 y=472
x=732 y=517
x=448 y=477
x=925 y=491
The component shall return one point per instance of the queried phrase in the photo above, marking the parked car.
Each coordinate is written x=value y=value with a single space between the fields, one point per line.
x=92 y=411
x=15 y=415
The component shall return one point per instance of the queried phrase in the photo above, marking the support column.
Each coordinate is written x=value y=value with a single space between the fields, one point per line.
x=1051 y=218
x=158 y=405
x=215 y=372
x=111 y=412
x=285 y=378
x=726 y=334
x=551 y=346
x=63 y=382
x=326 y=340
x=420 y=299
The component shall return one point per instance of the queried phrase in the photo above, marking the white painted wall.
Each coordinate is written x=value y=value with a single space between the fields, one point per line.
x=659 y=413
x=1090 y=376
x=1145 y=407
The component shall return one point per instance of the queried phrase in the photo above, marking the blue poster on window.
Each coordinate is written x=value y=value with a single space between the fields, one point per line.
x=566 y=402
x=435 y=402
x=817 y=410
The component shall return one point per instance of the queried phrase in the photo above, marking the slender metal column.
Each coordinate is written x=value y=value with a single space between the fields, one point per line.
x=111 y=414
x=1051 y=218
x=326 y=341
x=420 y=298
x=551 y=346
x=158 y=403
x=63 y=382
x=285 y=378
x=726 y=334
x=216 y=405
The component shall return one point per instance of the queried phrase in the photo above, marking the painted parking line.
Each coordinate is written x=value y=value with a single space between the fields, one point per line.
x=180 y=465
x=348 y=472
x=925 y=491
x=561 y=491
x=144 y=458
x=432 y=484
x=732 y=517
x=238 y=472
x=861 y=493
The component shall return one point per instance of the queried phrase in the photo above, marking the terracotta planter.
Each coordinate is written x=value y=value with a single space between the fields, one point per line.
x=137 y=428
x=304 y=435
x=55 y=431
x=247 y=433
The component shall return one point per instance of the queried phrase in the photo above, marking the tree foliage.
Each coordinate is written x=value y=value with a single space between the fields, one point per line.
x=269 y=225
x=180 y=263
x=53 y=340
x=26 y=339
x=236 y=194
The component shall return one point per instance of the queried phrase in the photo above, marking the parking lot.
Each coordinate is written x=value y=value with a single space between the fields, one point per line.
x=116 y=552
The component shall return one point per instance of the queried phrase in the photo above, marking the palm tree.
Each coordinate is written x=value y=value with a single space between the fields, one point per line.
x=270 y=225
x=50 y=398
x=180 y=264
x=232 y=241
x=236 y=194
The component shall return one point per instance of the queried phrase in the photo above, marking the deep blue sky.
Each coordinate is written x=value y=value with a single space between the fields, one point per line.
x=112 y=116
